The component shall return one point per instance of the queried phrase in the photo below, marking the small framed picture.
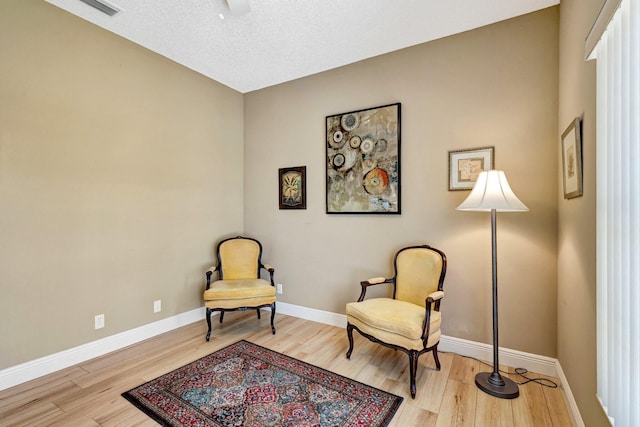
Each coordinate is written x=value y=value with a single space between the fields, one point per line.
x=572 y=160
x=293 y=188
x=466 y=165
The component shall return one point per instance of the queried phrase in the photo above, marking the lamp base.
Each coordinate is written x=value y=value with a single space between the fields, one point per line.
x=496 y=385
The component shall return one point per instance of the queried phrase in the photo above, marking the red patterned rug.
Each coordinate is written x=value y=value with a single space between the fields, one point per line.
x=245 y=384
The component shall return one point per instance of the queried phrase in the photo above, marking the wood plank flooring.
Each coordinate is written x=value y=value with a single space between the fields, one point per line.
x=88 y=394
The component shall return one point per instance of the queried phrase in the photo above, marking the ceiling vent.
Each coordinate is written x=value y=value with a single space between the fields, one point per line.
x=103 y=6
x=238 y=7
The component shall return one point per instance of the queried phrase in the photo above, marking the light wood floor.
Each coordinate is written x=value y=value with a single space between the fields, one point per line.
x=88 y=394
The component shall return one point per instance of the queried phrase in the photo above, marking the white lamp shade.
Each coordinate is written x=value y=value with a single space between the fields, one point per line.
x=492 y=191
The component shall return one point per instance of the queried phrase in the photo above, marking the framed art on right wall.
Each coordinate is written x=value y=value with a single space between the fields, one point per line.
x=572 y=160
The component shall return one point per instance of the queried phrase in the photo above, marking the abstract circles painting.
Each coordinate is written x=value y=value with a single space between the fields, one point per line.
x=363 y=161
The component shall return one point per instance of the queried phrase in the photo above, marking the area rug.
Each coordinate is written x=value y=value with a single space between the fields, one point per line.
x=245 y=384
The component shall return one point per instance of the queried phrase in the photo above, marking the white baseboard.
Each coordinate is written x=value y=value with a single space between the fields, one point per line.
x=27 y=371
x=315 y=315
x=517 y=359
x=45 y=365
x=574 y=412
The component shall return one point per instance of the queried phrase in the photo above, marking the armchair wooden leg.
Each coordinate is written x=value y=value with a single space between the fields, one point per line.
x=273 y=315
x=208 y=323
x=221 y=315
x=413 y=367
x=258 y=311
x=350 y=336
x=435 y=356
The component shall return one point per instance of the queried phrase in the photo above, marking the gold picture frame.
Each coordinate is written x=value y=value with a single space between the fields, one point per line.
x=571 y=142
x=466 y=165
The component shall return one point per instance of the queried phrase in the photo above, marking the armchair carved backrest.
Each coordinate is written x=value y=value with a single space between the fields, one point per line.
x=419 y=272
x=239 y=258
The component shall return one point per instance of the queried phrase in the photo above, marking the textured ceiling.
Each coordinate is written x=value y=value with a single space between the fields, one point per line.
x=282 y=40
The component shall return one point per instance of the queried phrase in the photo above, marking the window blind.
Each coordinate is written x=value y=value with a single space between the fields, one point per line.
x=617 y=52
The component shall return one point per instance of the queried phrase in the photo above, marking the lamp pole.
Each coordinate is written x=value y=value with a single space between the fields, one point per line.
x=493 y=383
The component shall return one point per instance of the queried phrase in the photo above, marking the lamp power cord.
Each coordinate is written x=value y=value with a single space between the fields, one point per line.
x=521 y=372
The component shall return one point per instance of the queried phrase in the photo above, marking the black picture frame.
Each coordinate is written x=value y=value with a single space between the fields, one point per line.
x=363 y=161
x=292 y=186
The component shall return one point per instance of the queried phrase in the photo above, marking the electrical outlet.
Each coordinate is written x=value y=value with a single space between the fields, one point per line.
x=279 y=288
x=99 y=321
x=157 y=306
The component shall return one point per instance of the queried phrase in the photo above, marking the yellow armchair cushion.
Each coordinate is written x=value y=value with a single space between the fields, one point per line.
x=393 y=321
x=231 y=304
x=395 y=339
x=238 y=293
x=239 y=289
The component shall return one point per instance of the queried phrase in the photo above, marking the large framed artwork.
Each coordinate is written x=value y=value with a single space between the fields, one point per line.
x=292 y=188
x=572 y=160
x=466 y=165
x=363 y=161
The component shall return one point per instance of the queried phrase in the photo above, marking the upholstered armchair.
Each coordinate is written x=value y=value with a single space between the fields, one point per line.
x=238 y=285
x=409 y=320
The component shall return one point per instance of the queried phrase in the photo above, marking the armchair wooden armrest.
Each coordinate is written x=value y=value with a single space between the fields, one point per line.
x=374 y=281
x=370 y=282
x=209 y=273
x=433 y=297
x=271 y=270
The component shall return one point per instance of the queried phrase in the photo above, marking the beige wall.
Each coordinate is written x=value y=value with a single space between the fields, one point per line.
x=577 y=217
x=118 y=171
x=494 y=86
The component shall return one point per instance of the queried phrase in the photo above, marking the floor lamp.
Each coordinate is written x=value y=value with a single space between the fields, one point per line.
x=491 y=193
